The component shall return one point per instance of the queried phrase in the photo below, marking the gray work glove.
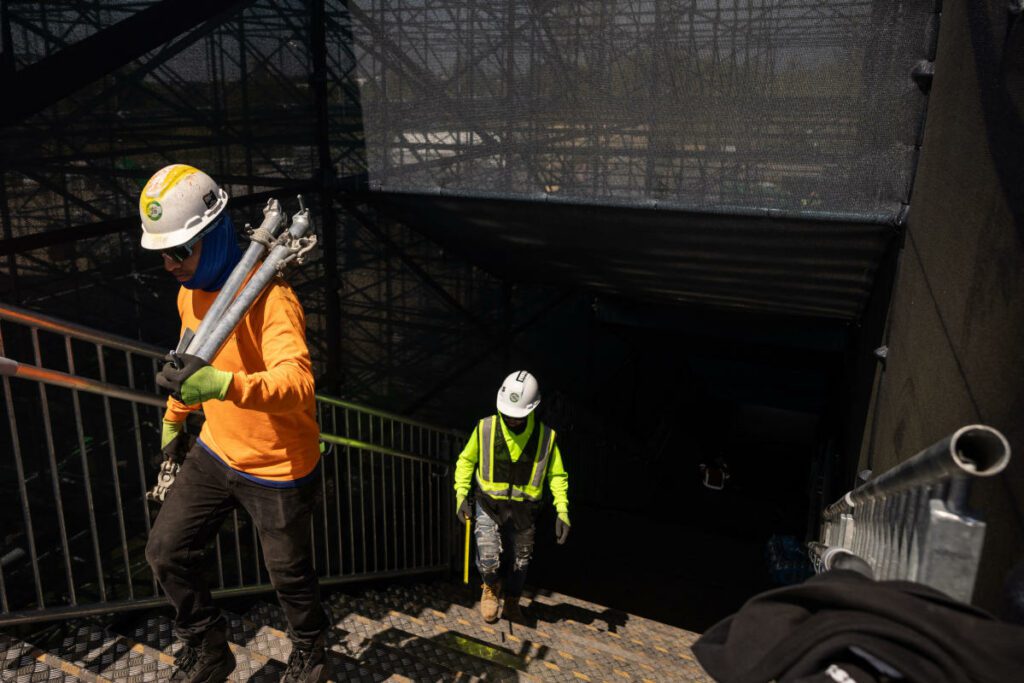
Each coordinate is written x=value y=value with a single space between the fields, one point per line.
x=463 y=511
x=562 y=527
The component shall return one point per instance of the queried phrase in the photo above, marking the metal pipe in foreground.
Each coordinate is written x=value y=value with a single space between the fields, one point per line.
x=273 y=219
x=294 y=244
x=971 y=451
x=827 y=558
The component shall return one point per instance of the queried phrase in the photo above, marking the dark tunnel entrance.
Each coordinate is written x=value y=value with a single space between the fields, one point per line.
x=662 y=392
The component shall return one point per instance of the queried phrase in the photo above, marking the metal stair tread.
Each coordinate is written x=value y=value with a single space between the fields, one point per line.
x=617 y=623
x=585 y=647
x=107 y=653
x=351 y=612
x=643 y=644
x=650 y=625
x=155 y=633
x=276 y=648
x=268 y=622
x=431 y=630
x=23 y=662
x=580 y=660
x=651 y=645
x=665 y=657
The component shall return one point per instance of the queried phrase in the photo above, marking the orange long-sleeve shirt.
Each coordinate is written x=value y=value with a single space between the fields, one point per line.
x=266 y=426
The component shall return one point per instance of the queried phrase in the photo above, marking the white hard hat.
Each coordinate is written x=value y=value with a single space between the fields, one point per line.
x=519 y=394
x=177 y=203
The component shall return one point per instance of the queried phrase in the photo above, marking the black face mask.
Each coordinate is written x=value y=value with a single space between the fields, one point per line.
x=514 y=424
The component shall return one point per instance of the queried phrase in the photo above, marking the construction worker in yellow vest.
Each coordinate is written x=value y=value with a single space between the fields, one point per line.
x=510 y=454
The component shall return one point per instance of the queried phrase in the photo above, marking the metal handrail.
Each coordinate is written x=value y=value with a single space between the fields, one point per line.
x=377 y=412
x=80 y=448
x=911 y=522
x=47 y=323
x=12 y=368
x=362 y=445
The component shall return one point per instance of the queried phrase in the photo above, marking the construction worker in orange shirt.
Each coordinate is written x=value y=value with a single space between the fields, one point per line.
x=258 y=448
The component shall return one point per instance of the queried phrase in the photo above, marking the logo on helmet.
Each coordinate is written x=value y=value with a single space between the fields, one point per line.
x=209 y=199
x=154 y=211
x=513 y=397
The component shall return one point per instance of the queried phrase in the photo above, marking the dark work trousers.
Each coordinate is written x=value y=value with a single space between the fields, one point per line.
x=203 y=495
x=503 y=546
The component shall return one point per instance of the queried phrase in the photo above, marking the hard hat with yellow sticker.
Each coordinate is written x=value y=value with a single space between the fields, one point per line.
x=177 y=204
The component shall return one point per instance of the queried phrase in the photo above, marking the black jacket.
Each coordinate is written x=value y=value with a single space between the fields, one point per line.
x=843 y=627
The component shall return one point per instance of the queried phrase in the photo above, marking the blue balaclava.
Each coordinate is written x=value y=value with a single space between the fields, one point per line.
x=219 y=256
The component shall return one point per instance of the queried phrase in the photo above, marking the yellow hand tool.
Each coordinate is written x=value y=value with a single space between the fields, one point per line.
x=465 y=566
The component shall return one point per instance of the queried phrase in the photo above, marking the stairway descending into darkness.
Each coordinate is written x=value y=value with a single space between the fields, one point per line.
x=400 y=632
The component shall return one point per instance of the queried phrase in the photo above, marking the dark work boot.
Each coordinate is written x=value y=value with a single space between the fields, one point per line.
x=308 y=664
x=511 y=610
x=206 y=659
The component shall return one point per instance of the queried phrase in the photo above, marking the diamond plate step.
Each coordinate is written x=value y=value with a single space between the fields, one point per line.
x=545 y=655
x=155 y=634
x=269 y=621
x=610 y=619
x=275 y=645
x=350 y=614
x=542 y=615
x=105 y=653
x=602 y=618
x=22 y=662
x=642 y=660
x=484 y=660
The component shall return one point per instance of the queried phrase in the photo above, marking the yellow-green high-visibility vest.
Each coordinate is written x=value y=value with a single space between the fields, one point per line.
x=501 y=478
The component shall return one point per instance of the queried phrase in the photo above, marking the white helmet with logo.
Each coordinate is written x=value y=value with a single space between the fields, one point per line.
x=177 y=203
x=519 y=394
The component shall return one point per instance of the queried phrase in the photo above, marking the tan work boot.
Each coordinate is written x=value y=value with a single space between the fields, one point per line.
x=489 y=604
x=511 y=610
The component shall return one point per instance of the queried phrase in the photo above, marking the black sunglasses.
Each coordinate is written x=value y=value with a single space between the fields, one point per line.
x=183 y=251
x=178 y=253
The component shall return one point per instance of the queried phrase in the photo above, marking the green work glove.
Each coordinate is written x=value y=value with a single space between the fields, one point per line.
x=205 y=384
x=169 y=431
x=562 y=527
x=194 y=380
x=174 y=443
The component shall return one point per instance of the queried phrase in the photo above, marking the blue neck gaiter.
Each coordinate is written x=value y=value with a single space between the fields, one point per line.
x=219 y=256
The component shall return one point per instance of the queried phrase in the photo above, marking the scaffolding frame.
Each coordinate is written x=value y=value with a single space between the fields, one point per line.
x=268 y=97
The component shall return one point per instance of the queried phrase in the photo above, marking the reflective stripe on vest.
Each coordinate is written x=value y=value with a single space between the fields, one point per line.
x=542 y=464
x=516 y=494
x=490 y=431
x=486 y=446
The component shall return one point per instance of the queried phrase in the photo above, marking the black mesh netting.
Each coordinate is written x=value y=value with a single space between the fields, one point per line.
x=725 y=105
